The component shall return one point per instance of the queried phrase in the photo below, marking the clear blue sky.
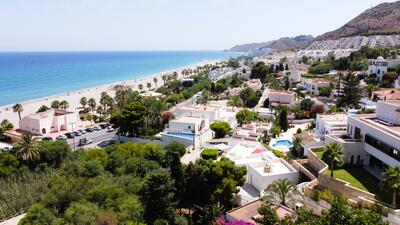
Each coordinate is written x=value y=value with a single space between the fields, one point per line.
x=49 y=25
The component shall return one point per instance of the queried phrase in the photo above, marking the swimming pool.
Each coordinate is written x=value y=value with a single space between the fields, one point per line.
x=184 y=135
x=283 y=143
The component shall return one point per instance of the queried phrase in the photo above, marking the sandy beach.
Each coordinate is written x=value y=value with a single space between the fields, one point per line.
x=73 y=97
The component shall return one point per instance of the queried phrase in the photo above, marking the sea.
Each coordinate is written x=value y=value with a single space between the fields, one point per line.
x=31 y=75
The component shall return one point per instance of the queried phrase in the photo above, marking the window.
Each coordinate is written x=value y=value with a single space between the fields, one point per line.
x=383 y=147
x=189 y=127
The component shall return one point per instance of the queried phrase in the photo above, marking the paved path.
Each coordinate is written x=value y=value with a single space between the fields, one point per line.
x=95 y=136
x=13 y=221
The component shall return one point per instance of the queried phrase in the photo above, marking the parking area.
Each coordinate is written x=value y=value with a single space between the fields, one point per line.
x=95 y=137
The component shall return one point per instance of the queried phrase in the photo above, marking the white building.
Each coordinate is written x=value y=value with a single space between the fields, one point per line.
x=335 y=124
x=262 y=174
x=188 y=130
x=311 y=85
x=254 y=84
x=212 y=113
x=378 y=67
x=50 y=121
x=373 y=140
x=279 y=97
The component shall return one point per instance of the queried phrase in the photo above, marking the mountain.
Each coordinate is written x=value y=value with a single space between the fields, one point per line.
x=381 y=19
x=281 y=44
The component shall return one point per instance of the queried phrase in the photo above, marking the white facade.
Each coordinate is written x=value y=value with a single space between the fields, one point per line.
x=212 y=113
x=277 y=97
x=262 y=174
x=188 y=130
x=50 y=121
x=331 y=124
x=379 y=67
x=379 y=134
x=311 y=85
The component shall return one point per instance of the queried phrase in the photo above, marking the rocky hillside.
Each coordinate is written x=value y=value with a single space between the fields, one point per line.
x=382 y=19
x=281 y=44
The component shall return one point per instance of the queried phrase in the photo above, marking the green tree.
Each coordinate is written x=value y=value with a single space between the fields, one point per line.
x=42 y=108
x=92 y=104
x=235 y=101
x=245 y=116
x=339 y=213
x=6 y=125
x=350 y=93
x=148 y=85
x=83 y=102
x=39 y=214
x=282 y=191
x=140 y=86
x=297 y=146
x=268 y=215
x=26 y=149
x=333 y=156
x=8 y=164
x=17 y=108
x=221 y=129
x=82 y=212
x=64 y=104
x=392 y=181
x=283 y=120
x=54 y=153
x=155 y=79
x=259 y=71
x=55 y=104
x=130 y=118
x=157 y=196
x=98 y=154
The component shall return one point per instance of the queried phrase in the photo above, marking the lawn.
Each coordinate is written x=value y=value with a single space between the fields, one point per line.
x=361 y=179
x=319 y=154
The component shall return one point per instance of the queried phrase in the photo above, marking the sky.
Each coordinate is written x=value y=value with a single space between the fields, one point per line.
x=84 y=25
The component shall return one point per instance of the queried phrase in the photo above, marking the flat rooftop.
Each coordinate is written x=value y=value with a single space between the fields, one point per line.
x=277 y=167
x=188 y=119
x=341 y=117
x=375 y=123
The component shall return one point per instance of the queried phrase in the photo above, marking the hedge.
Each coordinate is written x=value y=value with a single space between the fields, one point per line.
x=209 y=154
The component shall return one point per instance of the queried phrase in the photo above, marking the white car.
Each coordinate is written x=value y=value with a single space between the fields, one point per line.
x=110 y=129
x=96 y=128
x=61 y=137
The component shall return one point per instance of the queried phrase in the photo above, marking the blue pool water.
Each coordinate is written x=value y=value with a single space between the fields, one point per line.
x=31 y=75
x=285 y=143
x=184 y=135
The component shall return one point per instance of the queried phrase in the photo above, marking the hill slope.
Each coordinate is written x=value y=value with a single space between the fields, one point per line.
x=281 y=44
x=382 y=19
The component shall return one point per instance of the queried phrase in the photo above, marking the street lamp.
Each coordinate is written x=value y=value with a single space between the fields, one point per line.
x=73 y=137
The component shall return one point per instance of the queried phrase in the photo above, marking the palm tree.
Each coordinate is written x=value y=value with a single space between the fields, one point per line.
x=92 y=104
x=6 y=125
x=297 y=145
x=64 y=104
x=282 y=191
x=235 y=101
x=333 y=156
x=83 y=102
x=148 y=85
x=155 y=79
x=392 y=181
x=18 y=109
x=370 y=88
x=99 y=110
x=55 y=104
x=140 y=87
x=164 y=77
x=26 y=148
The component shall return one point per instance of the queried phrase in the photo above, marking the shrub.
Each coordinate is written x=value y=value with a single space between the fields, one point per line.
x=209 y=154
x=220 y=129
x=245 y=116
x=299 y=130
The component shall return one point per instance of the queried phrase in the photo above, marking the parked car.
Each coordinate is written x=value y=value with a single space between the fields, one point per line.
x=77 y=133
x=47 y=139
x=82 y=131
x=61 y=137
x=89 y=129
x=96 y=128
x=70 y=135
x=110 y=129
x=84 y=141
x=106 y=143
x=103 y=125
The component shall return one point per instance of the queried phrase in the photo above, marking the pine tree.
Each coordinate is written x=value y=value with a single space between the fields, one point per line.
x=350 y=92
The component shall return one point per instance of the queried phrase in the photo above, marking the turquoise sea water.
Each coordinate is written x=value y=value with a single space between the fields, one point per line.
x=30 y=75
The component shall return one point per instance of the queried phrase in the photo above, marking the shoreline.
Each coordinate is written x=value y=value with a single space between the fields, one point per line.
x=73 y=97
x=142 y=78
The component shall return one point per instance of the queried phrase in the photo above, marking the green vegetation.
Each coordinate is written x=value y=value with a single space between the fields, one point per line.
x=221 y=129
x=333 y=156
x=350 y=94
x=250 y=97
x=282 y=191
x=207 y=154
x=392 y=182
x=245 y=116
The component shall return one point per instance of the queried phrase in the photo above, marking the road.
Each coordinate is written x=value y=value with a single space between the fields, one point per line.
x=95 y=136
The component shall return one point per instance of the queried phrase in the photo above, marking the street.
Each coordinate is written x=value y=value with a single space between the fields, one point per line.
x=95 y=136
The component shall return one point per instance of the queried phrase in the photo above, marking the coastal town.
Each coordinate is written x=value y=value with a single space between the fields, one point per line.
x=309 y=135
